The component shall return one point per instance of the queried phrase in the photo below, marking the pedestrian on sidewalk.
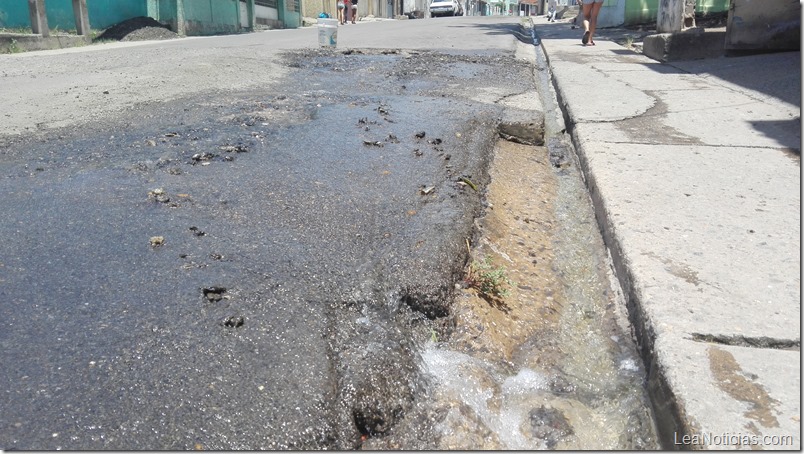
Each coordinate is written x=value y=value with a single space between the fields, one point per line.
x=341 y=12
x=354 y=10
x=591 y=9
x=552 y=7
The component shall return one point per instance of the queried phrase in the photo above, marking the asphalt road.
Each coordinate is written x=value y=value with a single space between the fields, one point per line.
x=238 y=242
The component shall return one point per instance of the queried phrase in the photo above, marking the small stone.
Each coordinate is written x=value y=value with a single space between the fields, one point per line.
x=157 y=241
x=201 y=157
x=549 y=425
x=233 y=321
x=197 y=232
x=159 y=195
x=213 y=294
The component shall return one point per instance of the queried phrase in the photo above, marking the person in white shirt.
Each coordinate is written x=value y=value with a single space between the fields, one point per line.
x=552 y=7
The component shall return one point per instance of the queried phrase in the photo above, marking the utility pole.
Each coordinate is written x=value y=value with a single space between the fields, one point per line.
x=675 y=15
x=81 y=17
x=38 y=15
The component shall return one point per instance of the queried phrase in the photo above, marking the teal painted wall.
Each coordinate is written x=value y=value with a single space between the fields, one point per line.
x=210 y=17
x=14 y=15
x=102 y=13
x=200 y=17
x=290 y=13
x=166 y=12
x=105 y=13
x=645 y=11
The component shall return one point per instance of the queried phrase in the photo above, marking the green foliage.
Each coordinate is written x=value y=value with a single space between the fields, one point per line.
x=13 y=47
x=489 y=282
x=20 y=30
x=629 y=42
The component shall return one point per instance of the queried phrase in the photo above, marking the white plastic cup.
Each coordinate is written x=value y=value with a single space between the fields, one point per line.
x=327 y=32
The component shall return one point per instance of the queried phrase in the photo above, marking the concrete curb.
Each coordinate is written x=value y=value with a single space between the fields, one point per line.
x=689 y=45
x=11 y=43
x=720 y=340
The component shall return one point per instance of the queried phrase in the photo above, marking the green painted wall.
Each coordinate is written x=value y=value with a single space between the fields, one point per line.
x=645 y=11
x=166 y=12
x=289 y=13
x=291 y=19
x=15 y=14
x=211 y=17
x=712 y=6
x=198 y=17
x=102 y=13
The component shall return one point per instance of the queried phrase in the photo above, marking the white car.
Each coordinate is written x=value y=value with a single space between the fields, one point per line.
x=446 y=8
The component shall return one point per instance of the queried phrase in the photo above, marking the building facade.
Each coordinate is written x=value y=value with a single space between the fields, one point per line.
x=186 y=17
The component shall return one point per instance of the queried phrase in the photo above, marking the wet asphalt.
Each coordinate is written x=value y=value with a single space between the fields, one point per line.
x=249 y=270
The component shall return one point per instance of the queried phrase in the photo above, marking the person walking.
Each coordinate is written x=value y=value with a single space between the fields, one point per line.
x=591 y=9
x=354 y=10
x=552 y=7
x=341 y=12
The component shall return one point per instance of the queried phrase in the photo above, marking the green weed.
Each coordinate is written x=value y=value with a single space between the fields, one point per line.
x=13 y=47
x=629 y=42
x=19 y=30
x=489 y=282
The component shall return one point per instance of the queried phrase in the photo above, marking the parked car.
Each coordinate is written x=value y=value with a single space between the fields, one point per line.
x=446 y=8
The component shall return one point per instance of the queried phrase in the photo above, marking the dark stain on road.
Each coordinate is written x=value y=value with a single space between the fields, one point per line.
x=320 y=265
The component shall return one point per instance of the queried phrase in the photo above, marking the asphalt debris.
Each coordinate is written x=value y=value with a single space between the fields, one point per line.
x=137 y=29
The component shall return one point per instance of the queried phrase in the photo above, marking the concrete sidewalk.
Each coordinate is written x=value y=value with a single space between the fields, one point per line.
x=694 y=170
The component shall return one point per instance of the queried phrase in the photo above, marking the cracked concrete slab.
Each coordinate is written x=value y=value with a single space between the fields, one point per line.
x=618 y=101
x=697 y=240
x=734 y=397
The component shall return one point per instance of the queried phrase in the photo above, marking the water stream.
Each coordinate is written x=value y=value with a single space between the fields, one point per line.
x=552 y=365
